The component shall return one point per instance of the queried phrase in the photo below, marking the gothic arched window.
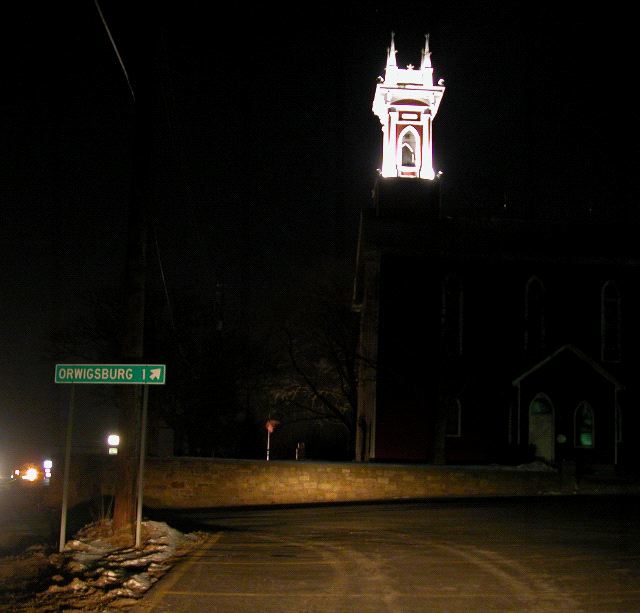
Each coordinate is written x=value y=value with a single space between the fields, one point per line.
x=409 y=153
x=610 y=311
x=534 y=334
x=584 y=425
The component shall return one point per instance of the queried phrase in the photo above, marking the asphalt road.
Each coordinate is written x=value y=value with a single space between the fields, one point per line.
x=553 y=554
x=24 y=518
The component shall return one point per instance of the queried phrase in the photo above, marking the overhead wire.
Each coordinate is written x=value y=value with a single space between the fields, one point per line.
x=115 y=48
x=153 y=227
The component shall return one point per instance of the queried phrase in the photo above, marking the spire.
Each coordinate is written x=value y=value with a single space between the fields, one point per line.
x=426 y=54
x=391 y=55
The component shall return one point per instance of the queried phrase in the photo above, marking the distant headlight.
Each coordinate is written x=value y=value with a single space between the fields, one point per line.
x=31 y=474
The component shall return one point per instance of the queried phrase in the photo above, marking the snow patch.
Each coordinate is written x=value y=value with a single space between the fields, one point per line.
x=94 y=570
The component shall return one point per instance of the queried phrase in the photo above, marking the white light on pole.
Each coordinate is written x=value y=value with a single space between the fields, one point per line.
x=47 y=465
x=113 y=440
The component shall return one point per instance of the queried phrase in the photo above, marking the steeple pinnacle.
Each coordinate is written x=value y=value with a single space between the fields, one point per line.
x=426 y=54
x=391 y=53
x=425 y=64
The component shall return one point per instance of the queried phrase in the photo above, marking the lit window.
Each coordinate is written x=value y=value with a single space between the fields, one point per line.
x=540 y=406
x=409 y=154
x=584 y=425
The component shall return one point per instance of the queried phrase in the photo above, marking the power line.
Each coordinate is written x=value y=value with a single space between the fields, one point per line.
x=115 y=48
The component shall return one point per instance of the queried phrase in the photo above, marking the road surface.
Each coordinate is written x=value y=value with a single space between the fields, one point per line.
x=24 y=518
x=553 y=554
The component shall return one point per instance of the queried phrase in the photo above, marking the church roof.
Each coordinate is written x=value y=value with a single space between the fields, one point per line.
x=571 y=349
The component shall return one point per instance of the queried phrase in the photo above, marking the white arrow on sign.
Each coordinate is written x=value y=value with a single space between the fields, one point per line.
x=155 y=373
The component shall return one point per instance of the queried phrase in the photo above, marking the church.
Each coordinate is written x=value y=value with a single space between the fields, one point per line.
x=487 y=339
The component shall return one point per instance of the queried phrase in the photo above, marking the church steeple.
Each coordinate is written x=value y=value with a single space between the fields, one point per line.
x=406 y=101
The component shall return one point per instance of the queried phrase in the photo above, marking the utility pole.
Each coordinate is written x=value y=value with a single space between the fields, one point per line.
x=132 y=341
x=132 y=346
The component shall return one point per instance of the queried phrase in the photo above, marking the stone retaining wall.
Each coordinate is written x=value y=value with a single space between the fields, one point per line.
x=207 y=482
x=203 y=482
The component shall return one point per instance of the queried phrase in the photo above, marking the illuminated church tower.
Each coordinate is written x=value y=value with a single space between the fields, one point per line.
x=406 y=101
x=480 y=343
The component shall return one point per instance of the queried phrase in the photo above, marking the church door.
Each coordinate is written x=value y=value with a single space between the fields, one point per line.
x=542 y=428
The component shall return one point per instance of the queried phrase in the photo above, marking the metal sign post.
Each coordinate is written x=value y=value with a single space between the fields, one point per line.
x=270 y=426
x=120 y=374
x=65 y=480
x=143 y=444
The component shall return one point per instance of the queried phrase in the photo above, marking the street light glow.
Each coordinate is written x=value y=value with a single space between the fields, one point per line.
x=113 y=440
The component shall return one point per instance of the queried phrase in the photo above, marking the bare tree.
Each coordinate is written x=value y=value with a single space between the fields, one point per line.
x=315 y=378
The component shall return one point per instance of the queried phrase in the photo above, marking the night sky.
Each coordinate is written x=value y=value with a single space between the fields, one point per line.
x=265 y=148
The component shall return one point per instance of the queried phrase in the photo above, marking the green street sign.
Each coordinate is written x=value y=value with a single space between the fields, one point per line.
x=123 y=374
